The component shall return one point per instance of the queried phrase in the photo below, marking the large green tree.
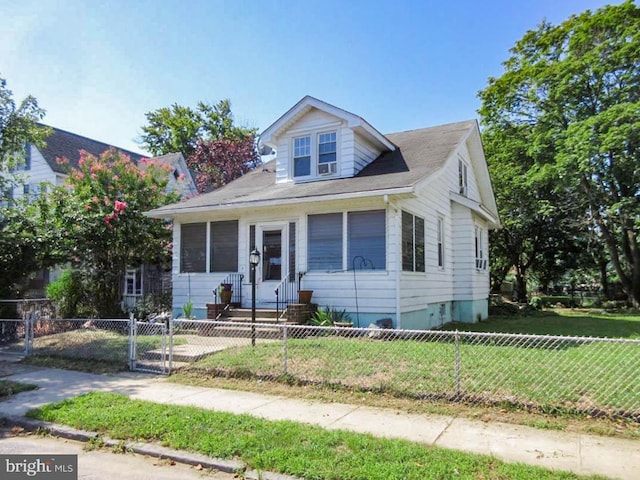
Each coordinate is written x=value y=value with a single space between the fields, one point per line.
x=179 y=129
x=21 y=244
x=575 y=89
x=214 y=146
x=101 y=212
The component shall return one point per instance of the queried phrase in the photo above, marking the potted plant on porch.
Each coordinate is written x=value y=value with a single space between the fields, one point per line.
x=225 y=291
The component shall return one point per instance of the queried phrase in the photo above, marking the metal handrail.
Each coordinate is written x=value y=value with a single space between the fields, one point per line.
x=286 y=293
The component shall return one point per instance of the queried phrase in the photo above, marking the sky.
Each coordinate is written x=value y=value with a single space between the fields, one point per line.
x=97 y=66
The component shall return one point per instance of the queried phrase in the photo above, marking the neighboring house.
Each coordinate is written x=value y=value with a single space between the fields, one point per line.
x=41 y=167
x=383 y=226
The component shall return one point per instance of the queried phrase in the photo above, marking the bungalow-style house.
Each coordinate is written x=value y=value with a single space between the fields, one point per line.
x=41 y=167
x=383 y=226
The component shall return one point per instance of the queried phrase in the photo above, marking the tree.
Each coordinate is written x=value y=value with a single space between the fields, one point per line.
x=575 y=89
x=18 y=126
x=218 y=162
x=179 y=129
x=19 y=238
x=101 y=210
x=214 y=147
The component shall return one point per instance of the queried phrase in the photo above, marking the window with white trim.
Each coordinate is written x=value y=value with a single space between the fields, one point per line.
x=133 y=282
x=412 y=243
x=325 y=242
x=440 y=239
x=327 y=153
x=302 y=156
x=223 y=244
x=463 y=178
x=193 y=244
x=366 y=240
x=481 y=261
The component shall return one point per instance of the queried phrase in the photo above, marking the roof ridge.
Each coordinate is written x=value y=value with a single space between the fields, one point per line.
x=432 y=126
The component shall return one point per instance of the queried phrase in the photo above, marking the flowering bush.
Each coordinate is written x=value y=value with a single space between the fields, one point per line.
x=101 y=211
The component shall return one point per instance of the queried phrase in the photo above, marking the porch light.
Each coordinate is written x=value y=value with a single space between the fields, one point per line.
x=254 y=260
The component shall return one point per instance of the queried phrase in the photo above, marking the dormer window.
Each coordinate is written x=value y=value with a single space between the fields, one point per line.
x=327 y=153
x=315 y=155
x=302 y=156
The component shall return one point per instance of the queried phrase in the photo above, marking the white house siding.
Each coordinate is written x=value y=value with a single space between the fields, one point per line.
x=376 y=289
x=353 y=151
x=365 y=153
x=39 y=172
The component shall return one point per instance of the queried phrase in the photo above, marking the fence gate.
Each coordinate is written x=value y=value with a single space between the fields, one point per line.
x=148 y=347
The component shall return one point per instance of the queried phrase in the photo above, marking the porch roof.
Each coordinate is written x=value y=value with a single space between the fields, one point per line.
x=420 y=153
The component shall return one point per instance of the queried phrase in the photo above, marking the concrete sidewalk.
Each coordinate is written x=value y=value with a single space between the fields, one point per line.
x=579 y=453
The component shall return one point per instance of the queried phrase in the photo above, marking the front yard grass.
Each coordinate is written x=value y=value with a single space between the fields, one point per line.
x=564 y=321
x=280 y=446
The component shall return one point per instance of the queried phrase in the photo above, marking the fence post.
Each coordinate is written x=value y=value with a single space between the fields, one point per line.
x=170 y=344
x=285 y=352
x=28 y=333
x=457 y=344
x=132 y=342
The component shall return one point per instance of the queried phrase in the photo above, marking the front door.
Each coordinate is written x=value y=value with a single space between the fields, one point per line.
x=273 y=262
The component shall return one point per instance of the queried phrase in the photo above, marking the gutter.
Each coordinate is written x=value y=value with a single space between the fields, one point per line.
x=172 y=212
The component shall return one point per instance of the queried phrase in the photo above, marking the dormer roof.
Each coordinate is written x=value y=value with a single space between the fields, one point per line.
x=355 y=122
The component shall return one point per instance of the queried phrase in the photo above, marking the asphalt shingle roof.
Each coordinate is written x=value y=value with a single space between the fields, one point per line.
x=420 y=153
x=63 y=144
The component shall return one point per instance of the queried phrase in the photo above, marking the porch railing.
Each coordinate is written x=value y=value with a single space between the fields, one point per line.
x=287 y=293
x=235 y=280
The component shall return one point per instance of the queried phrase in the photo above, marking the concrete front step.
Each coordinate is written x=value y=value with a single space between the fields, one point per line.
x=246 y=313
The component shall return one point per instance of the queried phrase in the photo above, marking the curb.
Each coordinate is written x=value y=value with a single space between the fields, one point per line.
x=148 y=449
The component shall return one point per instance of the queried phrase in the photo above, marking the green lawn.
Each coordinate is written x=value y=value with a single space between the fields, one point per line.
x=560 y=322
x=595 y=378
x=285 y=447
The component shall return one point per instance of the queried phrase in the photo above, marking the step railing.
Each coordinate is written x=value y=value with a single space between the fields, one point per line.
x=233 y=281
x=287 y=293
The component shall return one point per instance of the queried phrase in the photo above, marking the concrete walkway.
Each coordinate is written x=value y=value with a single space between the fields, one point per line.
x=579 y=453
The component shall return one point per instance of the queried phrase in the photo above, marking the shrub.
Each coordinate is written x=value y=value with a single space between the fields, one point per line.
x=151 y=305
x=68 y=294
x=329 y=316
x=536 y=303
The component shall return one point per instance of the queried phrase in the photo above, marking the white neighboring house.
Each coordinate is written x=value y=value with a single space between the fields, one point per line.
x=41 y=167
x=383 y=226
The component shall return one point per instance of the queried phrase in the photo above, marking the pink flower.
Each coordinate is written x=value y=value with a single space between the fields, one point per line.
x=119 y=206
x=181 y=176
x=115 y=178
x=87 y=207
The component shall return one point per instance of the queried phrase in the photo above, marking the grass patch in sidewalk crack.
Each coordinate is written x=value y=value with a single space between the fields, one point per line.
x=8 y=388
x=287 y=447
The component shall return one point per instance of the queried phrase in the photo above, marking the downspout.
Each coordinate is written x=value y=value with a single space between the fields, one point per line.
x=392 y=209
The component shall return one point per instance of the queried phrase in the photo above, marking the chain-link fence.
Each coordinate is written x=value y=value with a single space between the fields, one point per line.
x=547 y=373
x=598 y=376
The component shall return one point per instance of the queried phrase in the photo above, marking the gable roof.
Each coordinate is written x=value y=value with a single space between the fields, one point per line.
x=68 y=145
x=419 y=154
x=308 y=103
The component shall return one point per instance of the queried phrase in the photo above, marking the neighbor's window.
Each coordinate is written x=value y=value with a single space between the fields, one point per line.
x=224 y=246
x=366 y=242
x=481 y=261
x=325 y=242
x=462 y=178
x=302 y=156
x=440 y=234
x=412 y=243
x=193 y=244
